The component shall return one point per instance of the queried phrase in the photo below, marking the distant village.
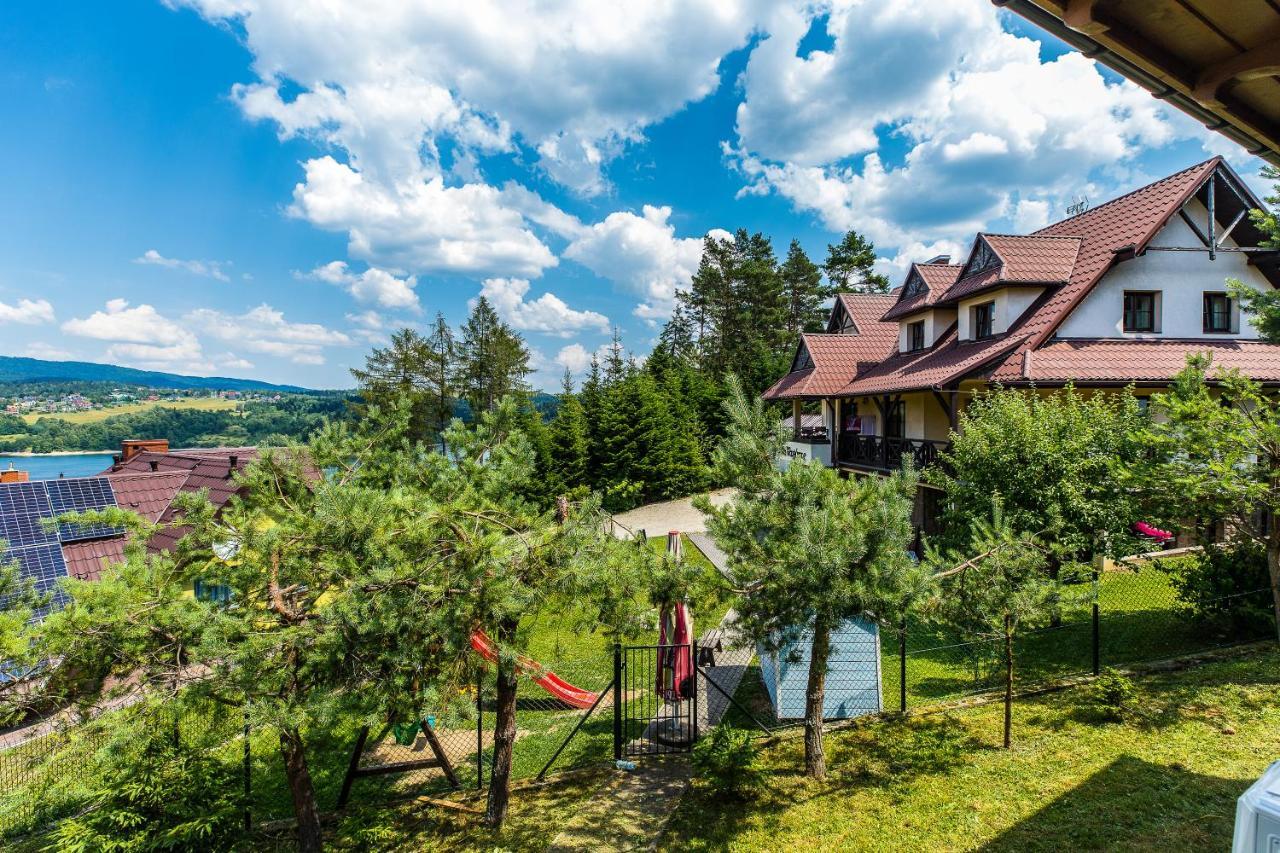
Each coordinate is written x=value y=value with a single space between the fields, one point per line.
x=35 y=402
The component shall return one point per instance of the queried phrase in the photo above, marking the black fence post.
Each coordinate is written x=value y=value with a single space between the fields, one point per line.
x=248 y=774
x=617 y=701
x=480 y=729
x=693 y=651
x=1097 y=639
x=902 y=666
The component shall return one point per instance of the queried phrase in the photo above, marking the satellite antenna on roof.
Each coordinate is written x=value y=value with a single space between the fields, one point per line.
x=1079 y=204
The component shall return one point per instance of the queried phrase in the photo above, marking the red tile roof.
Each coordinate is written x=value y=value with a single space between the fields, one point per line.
x=947 y=362
x=837 y=357
x=1130 y=220
x=86 y=560
x=1152 y=360
x=1037 y=258
x=937 y=278
x=147 y=494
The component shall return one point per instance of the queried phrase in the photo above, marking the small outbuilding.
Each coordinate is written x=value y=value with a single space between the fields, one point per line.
x=853 y=674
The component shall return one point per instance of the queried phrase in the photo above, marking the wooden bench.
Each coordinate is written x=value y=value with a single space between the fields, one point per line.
x=708 y=644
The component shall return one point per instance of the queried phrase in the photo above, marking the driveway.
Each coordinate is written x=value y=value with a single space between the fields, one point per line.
x=657 y=519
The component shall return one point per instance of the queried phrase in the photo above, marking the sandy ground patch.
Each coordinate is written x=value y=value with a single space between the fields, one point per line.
x=656 y=519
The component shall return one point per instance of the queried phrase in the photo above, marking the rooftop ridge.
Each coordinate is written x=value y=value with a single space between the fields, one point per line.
x=1217 y=158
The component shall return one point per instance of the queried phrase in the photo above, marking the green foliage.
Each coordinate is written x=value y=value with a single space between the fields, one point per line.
x=1263 y=306
x=806 y=295
x=494 y=359
x=149 y=790
x=851 y=265
x=726 y=762
x=807 y=547
x=1052 y=459
x=1113 y=694
x=1214 y=586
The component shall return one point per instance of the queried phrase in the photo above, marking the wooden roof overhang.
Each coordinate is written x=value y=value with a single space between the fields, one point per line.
x=1219 y=62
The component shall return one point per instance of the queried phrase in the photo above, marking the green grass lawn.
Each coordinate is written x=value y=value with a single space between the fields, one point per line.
x=1072 y=781
x=210 y=404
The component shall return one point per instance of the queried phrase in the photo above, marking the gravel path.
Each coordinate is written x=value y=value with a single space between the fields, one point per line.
x=657 y=519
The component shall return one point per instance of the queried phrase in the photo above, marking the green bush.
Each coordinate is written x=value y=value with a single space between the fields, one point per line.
x=726 y=761
x=1220 y=588
x=1112 y=694
x=149 y=791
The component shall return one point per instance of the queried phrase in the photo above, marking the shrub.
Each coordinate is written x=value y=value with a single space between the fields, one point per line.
x=1112 y=693
x=1214 y=585
x=726 y=761
x=149 y=791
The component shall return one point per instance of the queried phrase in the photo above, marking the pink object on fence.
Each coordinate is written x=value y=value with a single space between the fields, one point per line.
x=1144 y=529
x=675 y=652
x=543 y=677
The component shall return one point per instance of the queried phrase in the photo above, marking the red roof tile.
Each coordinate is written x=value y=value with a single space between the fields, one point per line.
x=1037 y=258
x=947 y=362
x=937 y=278
x=1130 y=220
x=147 y=494
x=86 y=560
x=1152 y=360
x=837 y=357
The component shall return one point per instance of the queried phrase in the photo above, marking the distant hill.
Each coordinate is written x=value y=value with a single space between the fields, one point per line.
x=14 y=369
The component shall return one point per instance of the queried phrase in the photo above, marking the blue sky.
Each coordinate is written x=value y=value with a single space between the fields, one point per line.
x=265 y=188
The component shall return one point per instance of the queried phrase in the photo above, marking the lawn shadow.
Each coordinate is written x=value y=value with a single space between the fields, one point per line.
x=1132 y=804
x=892 y=750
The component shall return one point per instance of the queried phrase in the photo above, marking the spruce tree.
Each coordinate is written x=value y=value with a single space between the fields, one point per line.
x=441 y=369
x=401 y=373
x=568 y=441
x=851 y=265
x=494 y=359
x=593 y=402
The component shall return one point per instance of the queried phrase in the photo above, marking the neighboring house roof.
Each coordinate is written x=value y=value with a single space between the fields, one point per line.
x=149 y=494
x=936 y=279
x=836 y=357
x=1155 y=360
x=86 y=560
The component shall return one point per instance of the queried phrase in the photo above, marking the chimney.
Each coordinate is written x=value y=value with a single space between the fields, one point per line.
x=939 y=259
x=13 y=475
x=154 y=463
x=131 y=447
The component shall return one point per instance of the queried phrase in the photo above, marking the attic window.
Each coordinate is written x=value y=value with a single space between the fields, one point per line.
x=983 y=258
x=915 y=336
x=841 y=321
x=914 y=286
x=802 y=361
x=983 y=320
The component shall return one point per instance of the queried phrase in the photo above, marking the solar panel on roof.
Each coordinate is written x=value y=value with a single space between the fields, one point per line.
x=22 y=507
x=45 y=566
x=79 y=495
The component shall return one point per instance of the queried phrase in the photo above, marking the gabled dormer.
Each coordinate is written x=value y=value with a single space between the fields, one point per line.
x=841 y=321
x=981 y=258
x=921 y=323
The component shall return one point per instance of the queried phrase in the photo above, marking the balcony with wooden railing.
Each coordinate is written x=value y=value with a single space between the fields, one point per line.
x=881 y=453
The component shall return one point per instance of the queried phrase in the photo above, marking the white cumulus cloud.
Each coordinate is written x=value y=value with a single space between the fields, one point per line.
x=643 y=254
x=373 y=285
x=548 y=313
x=28 y=312
x=265 y=330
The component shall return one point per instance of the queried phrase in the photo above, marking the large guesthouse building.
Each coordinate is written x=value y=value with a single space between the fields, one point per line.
x=1115 y=296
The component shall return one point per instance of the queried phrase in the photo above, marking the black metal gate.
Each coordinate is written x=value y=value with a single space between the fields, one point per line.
x=655 y=707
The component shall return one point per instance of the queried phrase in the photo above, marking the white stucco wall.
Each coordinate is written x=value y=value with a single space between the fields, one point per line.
x=936 y=321
x=1182 y=278
x=1011 y=303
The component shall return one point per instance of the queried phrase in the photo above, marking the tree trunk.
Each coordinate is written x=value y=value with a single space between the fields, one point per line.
x=504 y=729
x=815 y=759
x=1008 y=681
x=301 y=789
x=1273 y=567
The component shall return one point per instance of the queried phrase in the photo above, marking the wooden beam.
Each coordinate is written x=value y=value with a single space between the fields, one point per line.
x=1078 y=15
x=1227 y=232
x=1260 y=61
x=1191 y=223
x=1213 y=222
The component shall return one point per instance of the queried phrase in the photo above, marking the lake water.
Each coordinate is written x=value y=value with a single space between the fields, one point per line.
x=51 y=467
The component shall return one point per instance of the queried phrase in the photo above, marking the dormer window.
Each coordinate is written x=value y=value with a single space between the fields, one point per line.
x=915 y=336
x=982 y=320
x=1139 y=310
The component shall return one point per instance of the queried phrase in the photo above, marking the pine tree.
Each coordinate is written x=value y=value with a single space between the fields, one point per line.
x=494 y=359
x=593 y=403
x=805 y=293
x=615 y=366
x=851 y=265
